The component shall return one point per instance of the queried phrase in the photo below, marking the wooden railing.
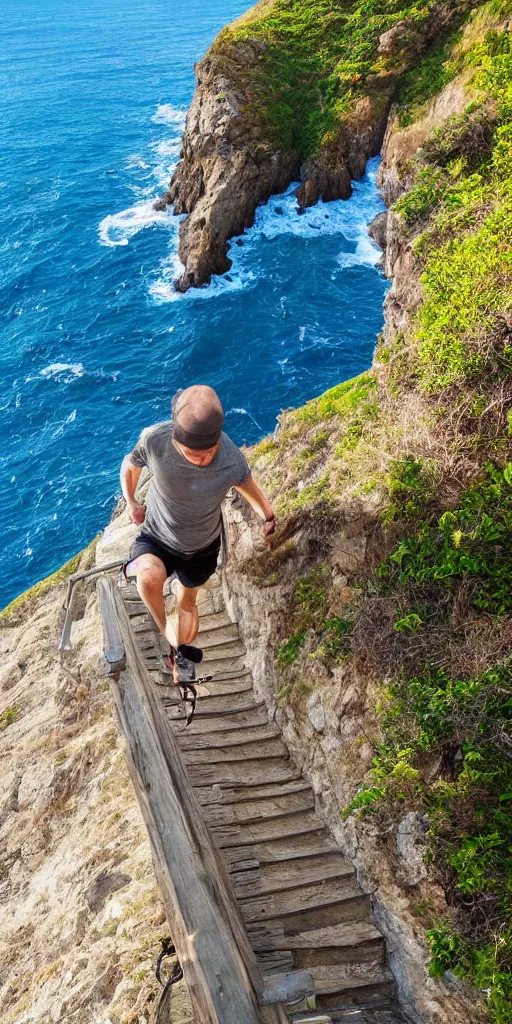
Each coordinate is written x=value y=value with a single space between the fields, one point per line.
x=220 y=969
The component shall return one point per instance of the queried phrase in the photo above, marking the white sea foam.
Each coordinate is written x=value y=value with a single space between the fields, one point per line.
x=118 y=228
x=166 y=113
x=156 y=167
x=63 y=371
x=245 y=412
x=278 y=217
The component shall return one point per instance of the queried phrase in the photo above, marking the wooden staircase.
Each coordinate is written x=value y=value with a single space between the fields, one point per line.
x=298 y=895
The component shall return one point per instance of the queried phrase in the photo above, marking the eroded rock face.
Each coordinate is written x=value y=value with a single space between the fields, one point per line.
x=227 y=168
x=81 y=916
x=228 y=164
x=330 y=734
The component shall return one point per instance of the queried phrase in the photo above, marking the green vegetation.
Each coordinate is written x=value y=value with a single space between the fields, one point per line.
x=464 y=183
x=7 y=717
x=290 y=649
x=335 y=636
x=471 y=542
x=307 y=64
x=341 y=400
x=419 y=454
x=411 y=488
x=440 y=65
x=434 y=712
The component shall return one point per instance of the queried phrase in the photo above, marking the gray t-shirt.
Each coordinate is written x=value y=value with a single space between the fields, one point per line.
x=183 y=500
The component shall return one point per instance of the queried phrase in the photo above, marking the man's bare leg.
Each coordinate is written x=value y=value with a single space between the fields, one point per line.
x=150 y=574
x=188 y=615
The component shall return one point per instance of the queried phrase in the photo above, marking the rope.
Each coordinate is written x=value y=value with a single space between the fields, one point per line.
x=163 y=1015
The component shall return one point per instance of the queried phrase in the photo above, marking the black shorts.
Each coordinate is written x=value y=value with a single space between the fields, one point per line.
x=191 y=570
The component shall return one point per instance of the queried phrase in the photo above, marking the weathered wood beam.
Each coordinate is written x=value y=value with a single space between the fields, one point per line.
x=220 y=969
x=113 y=646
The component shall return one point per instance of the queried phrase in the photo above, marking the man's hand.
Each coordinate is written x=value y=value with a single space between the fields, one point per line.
x=136 y=512
x=252 y=493
x=270 y=526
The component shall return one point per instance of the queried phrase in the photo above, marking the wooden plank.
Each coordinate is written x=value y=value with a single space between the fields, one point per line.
x=221 y=712
x=244 y=734
x=242 y=794
x=264 y=880
x=320 y=915
x=288 y=988
x=219 y=620
x=255 y=714
x=113 y=646
x=303 y=897
x=273 y=747
x=222 y=703
x=223 y=651
x=219 y=966
x=248 y=771
x=287 y=848
x=253 y=811
x=260 y=831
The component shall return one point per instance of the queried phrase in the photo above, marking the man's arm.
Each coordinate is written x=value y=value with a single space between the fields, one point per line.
x=254 y=495
x=129 y=479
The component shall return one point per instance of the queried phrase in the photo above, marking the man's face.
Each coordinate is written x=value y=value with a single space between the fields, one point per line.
x=198 y=458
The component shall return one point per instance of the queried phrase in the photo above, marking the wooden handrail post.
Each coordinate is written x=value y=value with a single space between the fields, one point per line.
x=220 y=968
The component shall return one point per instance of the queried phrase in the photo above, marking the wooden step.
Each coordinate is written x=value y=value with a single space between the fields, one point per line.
x=220 y=666
x=219 y=620
x=219 y=687
x=254 y=715
x=289 y=848
x=252 y=772
x=211 y=640
x=352 y=984
x=277 y=826
x=356 y=942
x=136 y=607
x=221 y=713
x=228 y=736
x=253 y=810
x=265 y=880
x=307 y=898
x=217 y=754
x=329 y=912
x=243 y=794
x=375 y=1014
x=220 y=704
x=223 y=651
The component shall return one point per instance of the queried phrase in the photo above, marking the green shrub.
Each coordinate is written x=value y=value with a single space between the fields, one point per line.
x=471 y=542
x=411 y=489
x=289 y=650
x=335 y=636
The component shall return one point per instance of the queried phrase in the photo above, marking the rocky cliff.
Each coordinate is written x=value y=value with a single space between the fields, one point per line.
x=379 y=624
x=291 y=91
x=82 y=917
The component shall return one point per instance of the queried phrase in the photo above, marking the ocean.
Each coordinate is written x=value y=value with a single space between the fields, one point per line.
x=93 y=338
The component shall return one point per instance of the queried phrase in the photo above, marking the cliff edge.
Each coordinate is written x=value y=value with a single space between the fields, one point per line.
x=291 y=91
x=379 y=625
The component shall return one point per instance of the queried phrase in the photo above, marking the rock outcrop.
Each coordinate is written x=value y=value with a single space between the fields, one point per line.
x=227 y=168
x=231 y=161
x=81 y=914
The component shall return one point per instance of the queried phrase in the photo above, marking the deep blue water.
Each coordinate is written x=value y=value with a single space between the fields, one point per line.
x=93 y=340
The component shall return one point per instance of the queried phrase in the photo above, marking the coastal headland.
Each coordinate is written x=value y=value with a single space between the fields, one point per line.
x=379 y=625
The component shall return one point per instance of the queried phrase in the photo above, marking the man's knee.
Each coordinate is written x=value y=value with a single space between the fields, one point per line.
x=151 y=576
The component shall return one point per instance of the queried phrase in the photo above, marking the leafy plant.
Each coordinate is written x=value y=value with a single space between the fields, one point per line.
x=289 y=650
